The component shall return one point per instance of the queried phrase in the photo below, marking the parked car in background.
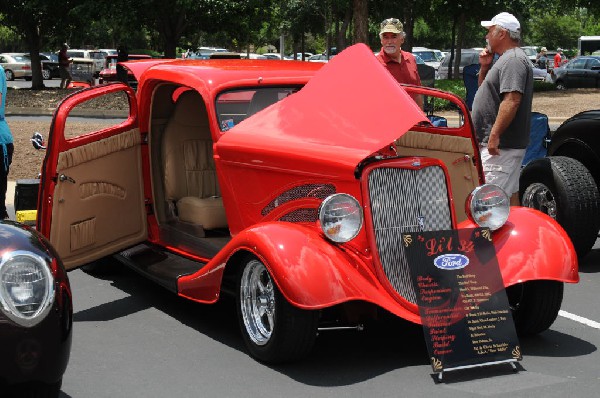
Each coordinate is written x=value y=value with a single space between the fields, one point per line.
x=531 y=52
x=578 y=72
x=541 y=74
x=36 y=314
x=96 y=55
x=468 y=57
x=299 y=56
x=49 y=65
x=16 y=66
x=319 y=58
x=272 y=56
x=275 y=183
x=429 y=56
x=109 y=51
x=245 y=55
x=109 y=73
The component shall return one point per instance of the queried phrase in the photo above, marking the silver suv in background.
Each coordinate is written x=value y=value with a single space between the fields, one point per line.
x=468 y=56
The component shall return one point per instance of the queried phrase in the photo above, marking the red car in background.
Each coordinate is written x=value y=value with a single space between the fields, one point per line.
x=109 y=73
x=284 y=186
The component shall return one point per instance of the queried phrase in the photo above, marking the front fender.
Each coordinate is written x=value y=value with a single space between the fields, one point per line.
x=533 y=246
x=309 y=271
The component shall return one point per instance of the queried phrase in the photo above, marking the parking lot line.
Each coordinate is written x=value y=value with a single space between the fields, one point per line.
x=580 y=319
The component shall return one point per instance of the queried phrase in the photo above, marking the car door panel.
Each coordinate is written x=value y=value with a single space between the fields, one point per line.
x=92 y=189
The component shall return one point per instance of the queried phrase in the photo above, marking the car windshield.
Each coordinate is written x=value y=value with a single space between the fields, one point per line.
x=427 y=56
x=529 y=51
x=233 y=106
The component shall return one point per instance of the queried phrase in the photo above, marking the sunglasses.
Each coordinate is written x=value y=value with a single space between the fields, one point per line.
x=389 y=21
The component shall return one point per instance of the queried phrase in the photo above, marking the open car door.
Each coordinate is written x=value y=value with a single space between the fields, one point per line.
x=91 y=201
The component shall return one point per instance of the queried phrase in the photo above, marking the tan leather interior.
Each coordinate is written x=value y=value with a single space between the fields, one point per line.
x=455 y=152
x=190 y=179
x=98 y=205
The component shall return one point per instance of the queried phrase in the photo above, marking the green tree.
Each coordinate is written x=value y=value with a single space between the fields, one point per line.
x=36 y=21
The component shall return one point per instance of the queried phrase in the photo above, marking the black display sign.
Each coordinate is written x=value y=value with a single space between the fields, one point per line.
x=461 y=297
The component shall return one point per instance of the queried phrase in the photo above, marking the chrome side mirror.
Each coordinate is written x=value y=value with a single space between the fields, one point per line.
x=37 y=140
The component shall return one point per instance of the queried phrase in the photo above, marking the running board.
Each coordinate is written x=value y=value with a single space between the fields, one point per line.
x=158 y=265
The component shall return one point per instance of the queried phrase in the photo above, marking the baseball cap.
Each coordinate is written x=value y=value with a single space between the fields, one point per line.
x=504 y=20
x=544 y=49
x=391 y=25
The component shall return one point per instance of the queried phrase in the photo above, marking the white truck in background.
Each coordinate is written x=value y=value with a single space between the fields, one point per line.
x=586 y=45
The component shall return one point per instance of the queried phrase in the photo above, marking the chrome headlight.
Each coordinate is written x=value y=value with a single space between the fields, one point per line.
x=26 y=287
x=488 y=206
x=341 y=217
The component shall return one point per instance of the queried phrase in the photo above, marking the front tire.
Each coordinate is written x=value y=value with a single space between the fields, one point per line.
x=535 y=305
x=9 y=75
x=564 y=189
x=273 y=330
x=560 y=85
x=46 y=75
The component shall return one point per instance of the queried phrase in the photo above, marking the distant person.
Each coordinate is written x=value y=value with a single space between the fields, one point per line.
x=64 y=66
x=6 y=147
x=558 y=58
x=502 y=105
x=122 y=56
x=401 y=64
x=542 y=60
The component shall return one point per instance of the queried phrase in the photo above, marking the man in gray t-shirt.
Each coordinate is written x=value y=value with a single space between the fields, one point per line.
x=502 y=105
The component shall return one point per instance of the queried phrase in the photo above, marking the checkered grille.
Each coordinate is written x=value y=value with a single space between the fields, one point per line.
x=401 y=201
x=301 y=215
x=319 y=191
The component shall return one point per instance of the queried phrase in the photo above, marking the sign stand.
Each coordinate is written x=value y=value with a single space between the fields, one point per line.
x=509 y=361
x=464 y=309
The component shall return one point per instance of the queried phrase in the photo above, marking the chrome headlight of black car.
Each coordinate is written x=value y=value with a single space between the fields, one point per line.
x=26 y=287
x=488 y=206
x=341 y=217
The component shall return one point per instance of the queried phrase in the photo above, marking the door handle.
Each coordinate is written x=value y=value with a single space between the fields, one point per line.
x=63 y=177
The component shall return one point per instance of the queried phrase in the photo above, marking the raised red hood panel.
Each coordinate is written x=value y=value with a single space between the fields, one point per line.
x=351 y=108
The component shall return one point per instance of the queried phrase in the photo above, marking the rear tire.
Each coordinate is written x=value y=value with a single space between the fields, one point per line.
x=273 y=330
x=535 y=305
x=46 y=74
x=9 y=74
x=565 y=190
x=560 y=85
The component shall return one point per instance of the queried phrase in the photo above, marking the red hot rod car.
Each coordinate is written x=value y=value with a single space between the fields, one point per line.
x=287 y=185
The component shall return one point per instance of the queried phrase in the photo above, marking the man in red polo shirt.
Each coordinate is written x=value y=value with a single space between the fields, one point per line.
x=401 y=64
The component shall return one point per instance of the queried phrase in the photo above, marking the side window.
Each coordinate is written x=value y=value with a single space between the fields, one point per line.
x=593 y=62
x=577 y=64
x=79 y=122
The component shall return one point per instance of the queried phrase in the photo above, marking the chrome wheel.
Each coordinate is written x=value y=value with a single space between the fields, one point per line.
x=538 y=196
x=257 y=302
x=45 y=74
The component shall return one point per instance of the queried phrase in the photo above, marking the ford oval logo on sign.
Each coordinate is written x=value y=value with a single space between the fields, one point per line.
x=451 y=261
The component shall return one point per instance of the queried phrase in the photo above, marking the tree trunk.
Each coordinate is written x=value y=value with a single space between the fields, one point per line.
x=459 y=44
x=171 y=29
x=361 y=21
x=409 y=24
x=342 y=34
x=34 y=42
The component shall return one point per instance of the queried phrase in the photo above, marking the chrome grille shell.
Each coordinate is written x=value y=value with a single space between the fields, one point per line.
x=405 y=200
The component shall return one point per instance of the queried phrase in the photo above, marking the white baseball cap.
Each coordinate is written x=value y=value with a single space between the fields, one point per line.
x=504 y=20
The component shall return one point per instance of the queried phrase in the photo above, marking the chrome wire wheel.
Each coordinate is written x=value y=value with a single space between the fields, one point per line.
x=538 y=196
x=257 y=302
